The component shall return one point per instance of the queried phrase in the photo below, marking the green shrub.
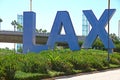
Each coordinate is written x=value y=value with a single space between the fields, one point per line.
x=117 y=49
x=59 y=64
x=52 y=63
x=29 y=76
x=88 y=61
x=8 y=66
x=62 y=66
x=115 y=59
x=34 y=63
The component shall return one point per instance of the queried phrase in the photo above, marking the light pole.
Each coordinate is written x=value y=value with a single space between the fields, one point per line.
x=108 y=29
x=30 y=5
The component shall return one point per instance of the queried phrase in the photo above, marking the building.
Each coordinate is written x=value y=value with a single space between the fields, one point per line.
x=119 y=28
x=20 y=22
x=85 y=26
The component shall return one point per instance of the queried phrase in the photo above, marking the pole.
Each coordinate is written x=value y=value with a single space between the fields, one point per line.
x=0 y=26
x=30 y=5
x=14 y=43
x=108 y=30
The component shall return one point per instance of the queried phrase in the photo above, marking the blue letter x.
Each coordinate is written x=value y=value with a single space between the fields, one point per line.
x=98 y=28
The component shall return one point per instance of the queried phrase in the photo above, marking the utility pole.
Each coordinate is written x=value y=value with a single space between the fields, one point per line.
x=30 y=5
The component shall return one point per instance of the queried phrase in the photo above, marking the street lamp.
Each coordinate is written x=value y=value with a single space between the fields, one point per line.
x=108 y=30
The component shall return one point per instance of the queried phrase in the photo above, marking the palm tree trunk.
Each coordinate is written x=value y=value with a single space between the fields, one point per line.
x=14 y=43
x=0 y=26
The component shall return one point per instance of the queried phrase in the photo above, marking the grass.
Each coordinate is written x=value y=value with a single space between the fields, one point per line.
x=50 y=63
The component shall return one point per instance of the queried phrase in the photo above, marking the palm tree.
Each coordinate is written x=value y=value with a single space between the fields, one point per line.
x=19 y=27
x=14 y=23
x=0 y=23
x=37 y=30
x=44 y=31
x=40 y=30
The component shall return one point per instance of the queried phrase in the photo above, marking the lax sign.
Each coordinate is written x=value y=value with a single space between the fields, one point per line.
x=63 y=19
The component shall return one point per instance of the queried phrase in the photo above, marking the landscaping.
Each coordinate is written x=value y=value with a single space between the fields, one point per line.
x=53 y=63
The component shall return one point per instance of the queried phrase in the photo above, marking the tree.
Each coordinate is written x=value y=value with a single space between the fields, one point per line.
x=14 y=23
x=116 y=41
x=114 y=38
x=40 y=30
x=98 y=44
x=44 y=31
x=19 y=27
x=37 y=30
x=0 y=23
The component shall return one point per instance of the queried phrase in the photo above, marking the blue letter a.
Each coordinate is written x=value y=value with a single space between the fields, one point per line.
x=63 y=19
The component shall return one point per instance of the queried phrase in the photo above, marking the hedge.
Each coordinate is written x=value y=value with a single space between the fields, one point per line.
x=50 y=63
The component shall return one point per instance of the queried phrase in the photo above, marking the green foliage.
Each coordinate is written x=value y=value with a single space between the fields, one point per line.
x=50 y=63
x=116 y=41
x=98 y=44
x=20 y=50
x=115 y=59
x=1 y=20
x=6 y=51
x=117 y=47
x=58 y=63
x=8 y=66
x=80 y=43
x=28 y=76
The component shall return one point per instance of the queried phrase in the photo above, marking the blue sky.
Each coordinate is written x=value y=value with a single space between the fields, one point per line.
x=47 y=9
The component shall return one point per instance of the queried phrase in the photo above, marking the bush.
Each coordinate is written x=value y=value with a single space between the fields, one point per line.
x=88 y=61
x=8 y=66
x=29 y=76
x=52 y=63
x=117 y=49
x=59 y=64
x=115 y=59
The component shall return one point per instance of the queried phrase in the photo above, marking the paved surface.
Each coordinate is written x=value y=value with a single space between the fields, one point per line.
x=105 y=75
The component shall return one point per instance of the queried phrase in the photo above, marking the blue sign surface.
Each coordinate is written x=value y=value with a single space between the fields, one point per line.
x=29 y=34
x=98 y=28
x=63 y=19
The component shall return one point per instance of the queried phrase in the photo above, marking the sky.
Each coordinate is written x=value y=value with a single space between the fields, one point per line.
x=46 y=11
